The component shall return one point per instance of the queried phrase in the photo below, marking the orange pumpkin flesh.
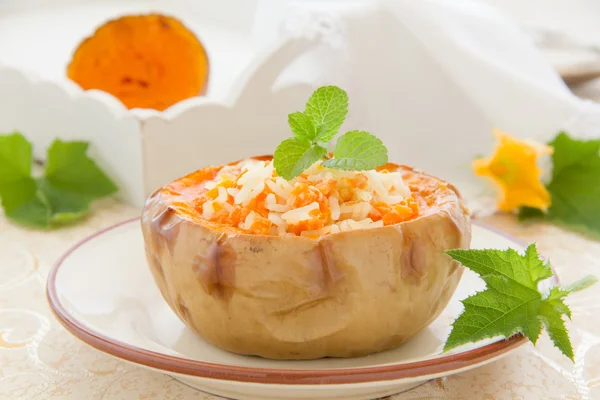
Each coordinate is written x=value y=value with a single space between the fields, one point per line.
x=146 y=61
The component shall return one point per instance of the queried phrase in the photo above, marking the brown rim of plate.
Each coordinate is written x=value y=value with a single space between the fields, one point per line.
x=185 y=366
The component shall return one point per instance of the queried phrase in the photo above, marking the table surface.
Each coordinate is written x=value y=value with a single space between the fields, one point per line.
x=40 y=360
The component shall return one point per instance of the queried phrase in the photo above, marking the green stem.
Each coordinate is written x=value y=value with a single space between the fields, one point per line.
x=582 y=284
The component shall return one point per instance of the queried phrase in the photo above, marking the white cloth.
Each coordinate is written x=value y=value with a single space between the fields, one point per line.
x=431 y=77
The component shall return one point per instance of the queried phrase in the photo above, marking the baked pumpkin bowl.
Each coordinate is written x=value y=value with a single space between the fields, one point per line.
x=257 y=265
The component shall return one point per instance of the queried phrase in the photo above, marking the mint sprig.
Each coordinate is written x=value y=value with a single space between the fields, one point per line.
x=70 y=183
x=321 y=120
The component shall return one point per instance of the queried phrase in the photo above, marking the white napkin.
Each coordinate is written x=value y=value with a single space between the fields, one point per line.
x=430 y=77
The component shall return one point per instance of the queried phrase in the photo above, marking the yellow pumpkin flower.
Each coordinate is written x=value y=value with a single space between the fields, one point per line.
x=514 y=169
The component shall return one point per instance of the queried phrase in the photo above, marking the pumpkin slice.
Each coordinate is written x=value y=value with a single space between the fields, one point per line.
x=146 y=61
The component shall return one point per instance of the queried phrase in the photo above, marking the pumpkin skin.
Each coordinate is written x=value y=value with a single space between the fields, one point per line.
x=346 y=294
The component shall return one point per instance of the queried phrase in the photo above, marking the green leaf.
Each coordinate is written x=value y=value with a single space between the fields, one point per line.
x=15 y=157
x=496 y=311
x=358 y=151
x=292 y=157
x=327 y=108
x=575 y=184
x=556 y=299
x=512 y=301
x=555 y=326
x=70 y=169
x=537 y=269
x=569 y=152
x=302 y=126
x=51 y=207
x=527 y=270
x=67 y=206
x=35 y=211
x=71 y=183
x=16 y=184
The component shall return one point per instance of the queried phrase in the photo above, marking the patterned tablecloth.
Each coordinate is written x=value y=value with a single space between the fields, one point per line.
x=40 y=360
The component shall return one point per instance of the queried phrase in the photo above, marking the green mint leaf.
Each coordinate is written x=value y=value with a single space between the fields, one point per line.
x=319 y=123
x=16 y=184
x=327 y=108
x=582 y=284
x=512 y=301
x=292 y=157
x=302 y=126
x=358 y=151
x=70 y=169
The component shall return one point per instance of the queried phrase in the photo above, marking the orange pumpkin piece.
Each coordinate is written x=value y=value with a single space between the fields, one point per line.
x=146 y=61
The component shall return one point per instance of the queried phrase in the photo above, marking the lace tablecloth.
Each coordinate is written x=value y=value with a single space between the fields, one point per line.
x=40 y=360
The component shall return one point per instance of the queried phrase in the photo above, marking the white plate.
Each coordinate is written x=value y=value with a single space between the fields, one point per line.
x=103 y=293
